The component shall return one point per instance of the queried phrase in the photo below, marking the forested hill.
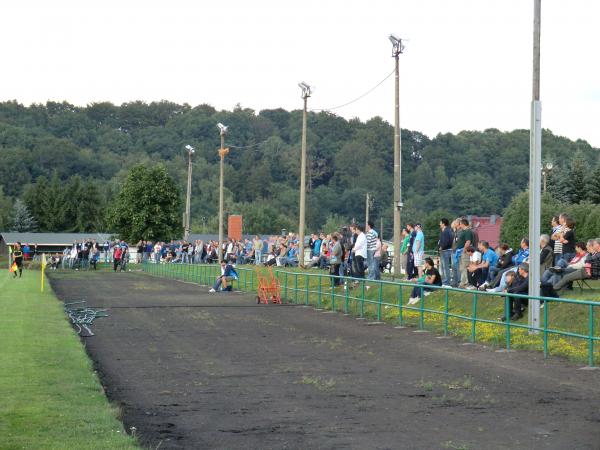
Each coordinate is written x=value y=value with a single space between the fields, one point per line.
x=66 y=163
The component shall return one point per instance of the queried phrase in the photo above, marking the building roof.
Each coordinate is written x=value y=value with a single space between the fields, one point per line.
x=57 y=239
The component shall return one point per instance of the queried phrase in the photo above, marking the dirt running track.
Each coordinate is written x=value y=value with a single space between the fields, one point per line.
x=198 y=371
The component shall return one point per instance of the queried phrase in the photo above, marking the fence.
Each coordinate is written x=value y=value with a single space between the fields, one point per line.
x=465 y=313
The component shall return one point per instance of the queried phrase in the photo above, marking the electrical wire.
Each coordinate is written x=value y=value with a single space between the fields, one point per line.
x=357 y=98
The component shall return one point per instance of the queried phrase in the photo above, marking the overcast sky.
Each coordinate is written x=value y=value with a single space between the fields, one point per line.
x=467 y=64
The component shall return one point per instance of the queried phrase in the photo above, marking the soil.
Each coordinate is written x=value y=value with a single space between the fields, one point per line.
x=196 y=370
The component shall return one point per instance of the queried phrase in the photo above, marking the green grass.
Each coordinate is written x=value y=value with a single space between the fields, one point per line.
x=303 y=287
x=50 y=397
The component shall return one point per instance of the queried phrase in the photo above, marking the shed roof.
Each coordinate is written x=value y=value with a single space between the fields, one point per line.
x=65 y=239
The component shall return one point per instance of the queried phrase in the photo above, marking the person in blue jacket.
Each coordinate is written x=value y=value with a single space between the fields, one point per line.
x=228 y=274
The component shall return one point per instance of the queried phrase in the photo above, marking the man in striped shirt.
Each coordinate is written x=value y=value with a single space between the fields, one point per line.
x=371 y=247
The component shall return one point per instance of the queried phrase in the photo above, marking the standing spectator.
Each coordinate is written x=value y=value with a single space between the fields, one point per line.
x=410 y=258
x=258 y=246
x=419 y=249
x=335 y=259
x=461 y=259
x=555 y=238
x=360 y=252
x=445 y=249
x=404 y=252
x=141 y=245
x=371 y=247
x=377 y=257
x=567 y=238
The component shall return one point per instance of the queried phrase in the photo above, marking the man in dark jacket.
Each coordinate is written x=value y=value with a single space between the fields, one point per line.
x=517 y=284
x=445 y=249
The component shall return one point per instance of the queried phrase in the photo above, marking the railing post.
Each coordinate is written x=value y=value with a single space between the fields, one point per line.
x=379 y=296
x=320 y=288
x=591 y=338
x=362 y=300
x=400 y=306
x=473 y=317
x=285 y=278
x=306 y=283
x=333 y=293
x=507 y=320
x=446 y=312
x=296 y=288
x=347 y=297
x=546 y=306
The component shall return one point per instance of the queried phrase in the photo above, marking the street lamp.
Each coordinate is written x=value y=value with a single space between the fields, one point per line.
x=306 y=92
x=397 y=49
x=535 y=161
x=546 y=170
x=186 y=234
x=222 y=152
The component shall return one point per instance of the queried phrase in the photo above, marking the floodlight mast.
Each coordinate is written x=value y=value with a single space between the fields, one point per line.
x=397 y=49
x=306 y=92
x=186 y=231
x=222 y=152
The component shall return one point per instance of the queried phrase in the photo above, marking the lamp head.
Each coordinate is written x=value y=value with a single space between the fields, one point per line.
x=549 y=166
x=190 y=149
x=306 y=89
x=222 y=128
x=397 y=43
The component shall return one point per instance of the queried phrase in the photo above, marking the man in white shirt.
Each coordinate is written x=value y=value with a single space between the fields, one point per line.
x=360 y=252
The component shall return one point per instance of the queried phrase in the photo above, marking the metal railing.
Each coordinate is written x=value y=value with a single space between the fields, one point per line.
x=447 y=310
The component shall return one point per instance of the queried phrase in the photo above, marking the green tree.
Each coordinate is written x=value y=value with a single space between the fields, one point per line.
x=593 y=186
x=5 y=211
x=515 y=221
x=148 y=206
x=22 y=220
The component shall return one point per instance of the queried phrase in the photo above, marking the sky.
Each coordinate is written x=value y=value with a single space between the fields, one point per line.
x=467 y=64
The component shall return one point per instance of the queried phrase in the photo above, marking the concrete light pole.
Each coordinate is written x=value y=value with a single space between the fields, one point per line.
x=186 y=233
x=222 y=152
x=397 y=49
x=368 y=205
x=306 y=92
x=535 y=162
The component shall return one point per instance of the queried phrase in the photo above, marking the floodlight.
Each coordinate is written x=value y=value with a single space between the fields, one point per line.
x=549 y=166
x=190 y=149
x=397 y=43
x=222 y=128
x=306 y=89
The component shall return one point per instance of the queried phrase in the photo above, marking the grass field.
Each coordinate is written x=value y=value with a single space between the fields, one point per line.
x=50 y=396
x=381 y=303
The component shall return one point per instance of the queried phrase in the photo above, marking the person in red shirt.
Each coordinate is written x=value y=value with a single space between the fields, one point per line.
x=118 y=251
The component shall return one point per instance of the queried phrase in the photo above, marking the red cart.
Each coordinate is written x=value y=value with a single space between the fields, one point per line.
x=269 y=289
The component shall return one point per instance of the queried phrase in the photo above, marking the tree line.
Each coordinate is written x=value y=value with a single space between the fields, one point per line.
x=67 y=164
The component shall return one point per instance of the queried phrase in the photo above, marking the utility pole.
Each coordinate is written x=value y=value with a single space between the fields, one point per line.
x=397 y=49
x=306 y=92
x=222 y=152
x=367 y=211
x=186 y=233
x=381 y=229
x=535 y=162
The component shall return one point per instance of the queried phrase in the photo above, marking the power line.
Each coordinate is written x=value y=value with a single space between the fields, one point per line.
x=357 y=98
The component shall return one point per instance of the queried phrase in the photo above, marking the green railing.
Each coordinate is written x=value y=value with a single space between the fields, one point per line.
x=449 y=311
x=204 y=274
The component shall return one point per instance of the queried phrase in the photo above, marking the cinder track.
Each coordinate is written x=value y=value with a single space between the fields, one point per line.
x=194 y=370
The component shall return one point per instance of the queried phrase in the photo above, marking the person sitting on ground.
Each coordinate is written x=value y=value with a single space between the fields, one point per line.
x=228 y=274
x=590 y=270
x=519 y=258
x=432 y=278
x=474 y=269
x=479 y=275
x=517 y=283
